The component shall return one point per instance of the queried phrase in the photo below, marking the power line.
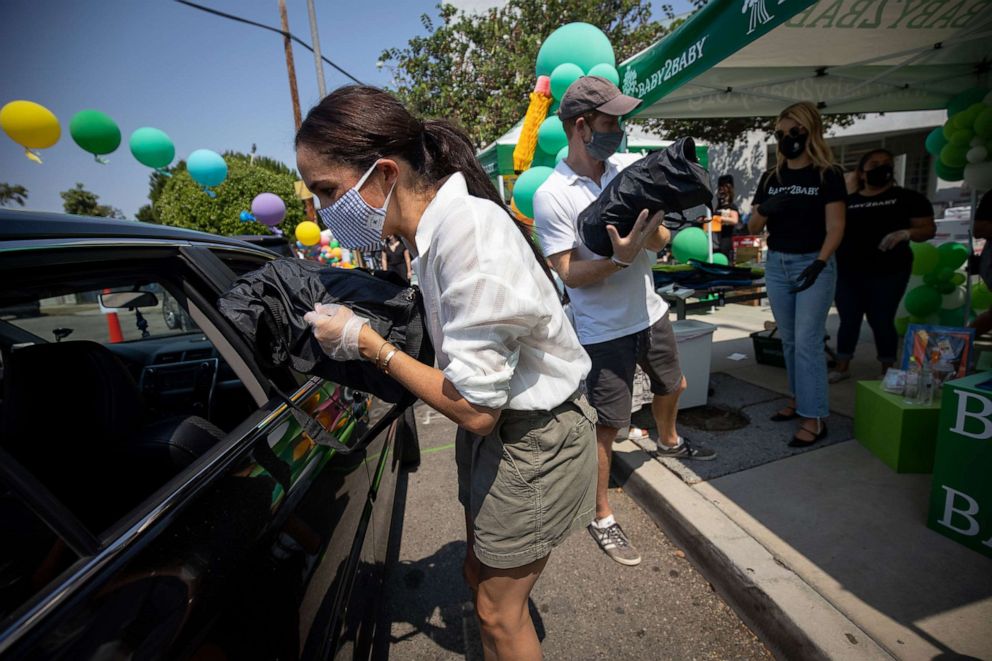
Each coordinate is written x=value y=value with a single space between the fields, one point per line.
x=270 y=29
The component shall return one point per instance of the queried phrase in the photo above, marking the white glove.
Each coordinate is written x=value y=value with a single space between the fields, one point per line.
x=892 y=239
x=336 y=329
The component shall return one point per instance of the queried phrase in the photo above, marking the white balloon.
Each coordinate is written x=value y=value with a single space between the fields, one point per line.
x=977 y=154
x=954 y=300
x=979 y=175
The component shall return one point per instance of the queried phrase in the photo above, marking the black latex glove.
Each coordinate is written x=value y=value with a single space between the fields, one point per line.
x=808 y=276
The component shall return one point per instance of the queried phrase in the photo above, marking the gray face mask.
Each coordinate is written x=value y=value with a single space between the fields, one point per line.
x=603 y=145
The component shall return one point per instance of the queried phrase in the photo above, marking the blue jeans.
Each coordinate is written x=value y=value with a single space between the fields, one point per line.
x=801 y=320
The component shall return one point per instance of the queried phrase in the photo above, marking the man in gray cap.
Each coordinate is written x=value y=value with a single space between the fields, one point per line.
x=620 y=319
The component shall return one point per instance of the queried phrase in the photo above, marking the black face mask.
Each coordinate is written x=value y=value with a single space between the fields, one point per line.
x=793 y=146
x=880 y=176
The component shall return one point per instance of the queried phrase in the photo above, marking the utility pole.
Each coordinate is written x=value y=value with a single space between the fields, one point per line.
x=315 y=40
x=291 y=68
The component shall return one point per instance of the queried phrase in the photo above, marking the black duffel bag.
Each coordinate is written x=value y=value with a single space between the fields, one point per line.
x=669 y=179
x=267 y=306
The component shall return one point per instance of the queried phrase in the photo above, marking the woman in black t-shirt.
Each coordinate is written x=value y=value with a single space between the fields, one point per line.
x=396 y=258
x=801 y=202
x=874 y=261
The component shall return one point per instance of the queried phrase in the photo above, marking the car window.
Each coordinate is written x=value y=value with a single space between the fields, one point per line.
x=31 y=555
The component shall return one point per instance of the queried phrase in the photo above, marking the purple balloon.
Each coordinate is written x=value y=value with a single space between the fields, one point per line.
x=268 y=208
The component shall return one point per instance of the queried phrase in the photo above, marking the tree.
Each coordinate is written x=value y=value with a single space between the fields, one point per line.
x=182 y=203
x=478 y=69
x=82 y=202
x=12 y=193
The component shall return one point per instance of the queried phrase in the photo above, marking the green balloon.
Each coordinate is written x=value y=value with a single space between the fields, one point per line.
x=152 y=147
x=953 y=317
x=922 y=301
x=925 y=258
x=579 y=43
x=95 y=132
x=606 y=71
x=948 y=173
x=551 y=135
x=951 y=256
x=962 y=138
x=931 y=279
x=947 y=130
x=526 y=185
x=981 y=298
x=720 y=258
x=965 y=99
x=935 y=141
x=970 y=115
x=945 y=287
x=563 y=76
x=983 y=124
x=902 y=324
x=954 y=155
x=543 y=159
x=561 y=155
x=958 y=278
x=691 y=243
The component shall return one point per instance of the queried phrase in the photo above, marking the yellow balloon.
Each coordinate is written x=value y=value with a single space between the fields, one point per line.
x=308 y=233
x=30 y=125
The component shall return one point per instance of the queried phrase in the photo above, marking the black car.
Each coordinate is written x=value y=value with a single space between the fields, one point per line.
x=158 y=497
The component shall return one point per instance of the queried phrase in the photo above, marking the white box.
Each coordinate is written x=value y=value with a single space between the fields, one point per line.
x=695 y=344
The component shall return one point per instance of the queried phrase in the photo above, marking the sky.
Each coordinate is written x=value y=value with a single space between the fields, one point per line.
x=206 y=81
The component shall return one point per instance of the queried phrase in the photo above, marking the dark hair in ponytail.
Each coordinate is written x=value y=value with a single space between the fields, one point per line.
x=357 y=125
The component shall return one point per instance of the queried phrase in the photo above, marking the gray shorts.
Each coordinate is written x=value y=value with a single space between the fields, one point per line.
x=530 y=482
x=611 y=378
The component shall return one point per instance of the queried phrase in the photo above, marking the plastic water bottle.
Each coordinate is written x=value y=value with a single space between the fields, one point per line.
x=912 y=389
x=924 y=393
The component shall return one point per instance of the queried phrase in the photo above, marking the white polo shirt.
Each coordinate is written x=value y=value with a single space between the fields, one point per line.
x=494 y=317
x=625 y=302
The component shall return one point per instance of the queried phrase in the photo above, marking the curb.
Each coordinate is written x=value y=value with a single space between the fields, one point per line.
x=791 y=618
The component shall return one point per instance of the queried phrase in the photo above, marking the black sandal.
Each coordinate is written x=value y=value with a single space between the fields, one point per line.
x=797 y=442
x=782 y=417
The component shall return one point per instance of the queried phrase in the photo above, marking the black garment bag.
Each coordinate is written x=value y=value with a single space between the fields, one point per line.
x=267 y=306
x=669 y=179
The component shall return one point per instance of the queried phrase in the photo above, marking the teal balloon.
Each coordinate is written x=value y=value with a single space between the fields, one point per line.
x=527 y=184
x=922 y=301
x=952 y=317
x=981 y=297
x=95 y=132
x=955 y=156
x=551 y=135
x=902 y=325
x=931 y=279
x=152 y=147
x=543 y=159
x=948 y=173
x=561 y=155
x=965 y=99
x=951 y=256
x=563 y=76
x=983 y=124
x=606 y=71
x=579 y=43
x=207 y=167
x=720 y=258
x=935 y=141
x=925 y=258
x=691 y=243
x=962 y=138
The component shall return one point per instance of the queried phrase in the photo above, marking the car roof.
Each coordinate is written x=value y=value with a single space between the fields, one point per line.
x=16 y=225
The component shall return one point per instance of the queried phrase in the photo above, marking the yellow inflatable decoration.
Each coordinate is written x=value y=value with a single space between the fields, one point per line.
x=308 y=233
x=31 y=125
x=537 y=111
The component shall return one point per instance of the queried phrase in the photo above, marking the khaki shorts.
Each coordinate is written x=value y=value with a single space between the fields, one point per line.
x=530 y=482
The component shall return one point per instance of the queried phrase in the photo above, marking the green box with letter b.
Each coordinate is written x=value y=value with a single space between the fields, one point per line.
x=961 y=492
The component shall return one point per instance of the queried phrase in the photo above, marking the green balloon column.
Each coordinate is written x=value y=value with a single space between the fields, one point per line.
x=936 y=294
x=571 y=51
x=962 y=147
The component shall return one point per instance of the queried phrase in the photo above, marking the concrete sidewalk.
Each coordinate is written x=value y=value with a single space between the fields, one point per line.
x=824 y=553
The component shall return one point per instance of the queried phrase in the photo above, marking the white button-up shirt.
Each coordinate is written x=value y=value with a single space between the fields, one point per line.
x=497 y=325
x=624 y=302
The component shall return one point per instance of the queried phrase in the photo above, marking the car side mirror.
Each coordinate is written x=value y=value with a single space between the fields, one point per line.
x=129 y=299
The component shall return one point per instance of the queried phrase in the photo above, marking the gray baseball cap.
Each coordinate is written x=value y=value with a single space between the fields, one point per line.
x=595 y=93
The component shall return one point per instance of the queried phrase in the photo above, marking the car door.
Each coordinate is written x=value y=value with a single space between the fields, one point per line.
x=248 y=552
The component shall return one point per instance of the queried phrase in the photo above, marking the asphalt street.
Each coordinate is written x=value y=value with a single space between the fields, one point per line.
x=585 y=605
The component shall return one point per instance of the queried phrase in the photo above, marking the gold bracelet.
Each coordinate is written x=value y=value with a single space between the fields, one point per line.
x=379 y=352
x=385 y=361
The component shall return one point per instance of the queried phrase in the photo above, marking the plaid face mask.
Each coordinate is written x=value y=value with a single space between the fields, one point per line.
x=354 y=222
